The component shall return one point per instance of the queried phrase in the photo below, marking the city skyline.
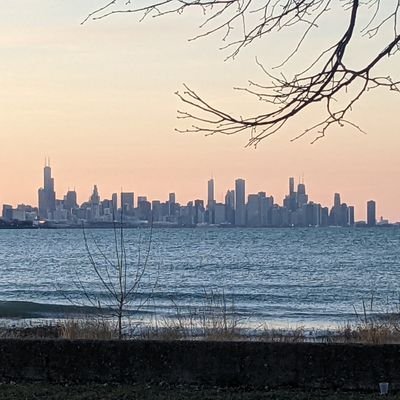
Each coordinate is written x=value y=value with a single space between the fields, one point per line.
x=239 y=207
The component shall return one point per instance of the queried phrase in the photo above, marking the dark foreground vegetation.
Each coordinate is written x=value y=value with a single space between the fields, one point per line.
x=163 y=392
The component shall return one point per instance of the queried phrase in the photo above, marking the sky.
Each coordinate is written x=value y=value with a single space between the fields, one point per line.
x=98 y=99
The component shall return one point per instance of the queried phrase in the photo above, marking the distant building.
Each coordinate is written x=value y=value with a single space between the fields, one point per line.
x=210 y=193
x=114 y=199
x=156 y=211
x=265 y=207
x=46 y=194
x=291 y=186
x=324 y=216
x=371 y=213
x=106 y=210
x=185 y=215
x=341 y=214
x=336 y=200
x=18 y=215
x=240 y=210
x=94 y=205
x=230 y=207
x=383 y=221
x=7 y=213
x=302 y=197
x=140 y=199
x=144 y=209
x=70 y=200
x=127 y=202
x=253 y=210
x=351 y=216
x=344 y=215
x=198 y=217
x=276 y=216
x=172 y=207
x=313 y=215
x=219 y=213
x=290 y=201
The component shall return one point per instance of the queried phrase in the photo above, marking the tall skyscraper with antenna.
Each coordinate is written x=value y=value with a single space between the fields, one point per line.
x=210 y=193
x=47 y=195
x=211 y=201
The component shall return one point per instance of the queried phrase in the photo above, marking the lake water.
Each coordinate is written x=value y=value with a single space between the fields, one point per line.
x=286 y=277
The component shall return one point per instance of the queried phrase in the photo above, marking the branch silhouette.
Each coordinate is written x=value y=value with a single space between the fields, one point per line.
x=326 y=81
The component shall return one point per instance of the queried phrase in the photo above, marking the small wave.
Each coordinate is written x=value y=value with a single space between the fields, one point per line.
x=28 y=309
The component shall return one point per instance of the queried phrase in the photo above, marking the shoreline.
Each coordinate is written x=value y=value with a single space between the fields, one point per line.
x=31 y=313
x=25 y=319
x=100 y=328
x=30 y=225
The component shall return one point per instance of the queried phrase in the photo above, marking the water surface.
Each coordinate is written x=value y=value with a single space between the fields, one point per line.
x=290 y=277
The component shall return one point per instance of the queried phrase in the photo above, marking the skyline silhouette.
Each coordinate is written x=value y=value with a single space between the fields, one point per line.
x=239 y=200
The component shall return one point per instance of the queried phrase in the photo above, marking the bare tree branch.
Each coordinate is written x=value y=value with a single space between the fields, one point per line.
x=328 y=81
x=118 y=275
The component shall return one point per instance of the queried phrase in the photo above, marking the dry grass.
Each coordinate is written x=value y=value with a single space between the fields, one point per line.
x=191 y=328
x=182 y=329
x=48 y=331
x=375 y=327
x=93 y=329
x=369 y=333
x=214 y=320
x=377 y=335
x=158 y=332
x=295 y=335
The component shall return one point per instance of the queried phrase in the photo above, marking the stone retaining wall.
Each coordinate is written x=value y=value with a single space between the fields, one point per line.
x=251 y=364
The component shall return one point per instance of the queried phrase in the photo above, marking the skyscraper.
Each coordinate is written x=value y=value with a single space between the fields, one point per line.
x=70 y=200
x=114 y=199
x=95 y=197
x=240 y=210
x=230 y=206
x=253 y=210
x=94 y=202
x=47 y=195
x=210 y=216
x=336 y=200
x=127 y=202
x=291 y=186
x=371 y=213
x=210 y=193
x=351 y=216
x=172 y=198
x=290 y=201
x=336 y=211
x=172 y=204
x=199 y=212
x=302 y=197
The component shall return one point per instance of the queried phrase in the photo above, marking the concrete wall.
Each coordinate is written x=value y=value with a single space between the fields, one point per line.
x=204 y=363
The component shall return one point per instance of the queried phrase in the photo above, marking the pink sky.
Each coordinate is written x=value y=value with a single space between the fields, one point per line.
x=99 y=100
